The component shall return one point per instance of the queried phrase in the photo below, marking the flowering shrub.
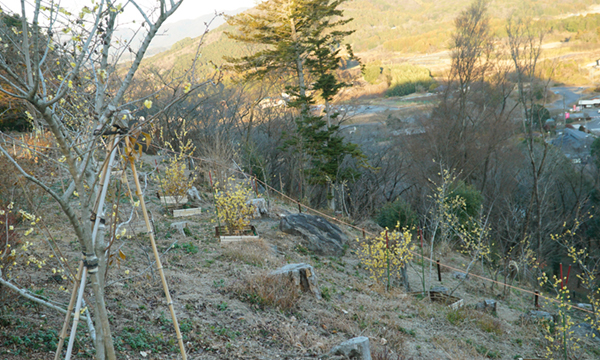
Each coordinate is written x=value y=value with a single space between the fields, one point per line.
x=233 y=209
x=175 y=183
x=387 y=254
x=561 y=342
x=13 y=251
x=9 y=238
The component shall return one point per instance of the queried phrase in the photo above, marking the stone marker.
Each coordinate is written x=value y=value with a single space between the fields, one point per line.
x=302 y=275
x=356 y=348
x=187 y=212
x=260 y=207
x=179 y=226
x=193 y=194
x=320 y=236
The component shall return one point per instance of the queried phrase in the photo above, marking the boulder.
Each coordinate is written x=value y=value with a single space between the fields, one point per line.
x=302 y=276
x=356 y=348
x=538 y=315
x=319 y=235
x=487 y=305
x=584 y=330
x=585 y=306
x=459 y=275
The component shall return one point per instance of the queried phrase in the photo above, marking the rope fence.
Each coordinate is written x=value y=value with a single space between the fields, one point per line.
x=365 y=232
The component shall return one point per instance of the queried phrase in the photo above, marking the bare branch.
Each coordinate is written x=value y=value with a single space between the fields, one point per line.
x=29 y=296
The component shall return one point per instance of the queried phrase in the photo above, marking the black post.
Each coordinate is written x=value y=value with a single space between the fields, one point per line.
x=439 y=271
x=537 y=293
x=299 y=207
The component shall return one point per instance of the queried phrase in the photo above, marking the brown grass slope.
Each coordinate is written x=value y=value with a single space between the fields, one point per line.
x=230 y=309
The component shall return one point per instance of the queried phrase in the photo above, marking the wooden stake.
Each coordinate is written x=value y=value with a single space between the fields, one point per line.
x=439 y=271
x=77 y=313
x=157 y=258
x=537 y=294
x=63 y=332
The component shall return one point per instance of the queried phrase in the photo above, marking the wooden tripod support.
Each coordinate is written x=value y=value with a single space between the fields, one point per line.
x=83 y=270
x=77 y=293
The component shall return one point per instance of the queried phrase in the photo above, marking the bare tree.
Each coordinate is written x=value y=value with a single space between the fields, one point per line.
x=525 y=46
x=64 y=66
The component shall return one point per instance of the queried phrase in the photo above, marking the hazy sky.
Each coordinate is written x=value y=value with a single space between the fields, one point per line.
x=189 y=9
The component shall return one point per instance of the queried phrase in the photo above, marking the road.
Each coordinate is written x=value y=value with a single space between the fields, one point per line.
x=570 y=94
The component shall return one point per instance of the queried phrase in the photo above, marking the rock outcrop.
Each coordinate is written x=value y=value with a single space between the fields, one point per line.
x=319 y=235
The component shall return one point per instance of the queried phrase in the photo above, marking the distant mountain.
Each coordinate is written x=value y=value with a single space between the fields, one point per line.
x=398 y=28
x=171 y=33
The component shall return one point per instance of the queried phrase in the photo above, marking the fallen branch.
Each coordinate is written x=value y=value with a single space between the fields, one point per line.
x=26 y=294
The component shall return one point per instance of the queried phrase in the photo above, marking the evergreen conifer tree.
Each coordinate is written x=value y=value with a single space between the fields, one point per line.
x=301 y=39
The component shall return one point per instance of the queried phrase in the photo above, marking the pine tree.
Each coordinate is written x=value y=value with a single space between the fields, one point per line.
x=301 y=39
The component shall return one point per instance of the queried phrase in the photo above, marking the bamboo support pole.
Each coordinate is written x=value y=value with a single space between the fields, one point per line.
x=77 y=313
x=157 y=257
x=63 y=332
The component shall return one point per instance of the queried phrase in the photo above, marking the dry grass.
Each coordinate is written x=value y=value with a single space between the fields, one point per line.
x=252 y=252
x=383 y=353
x=264 y=290
x=489 y=324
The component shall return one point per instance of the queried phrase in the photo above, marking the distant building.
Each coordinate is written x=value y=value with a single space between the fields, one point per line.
x=574 y=144
x=589 y=103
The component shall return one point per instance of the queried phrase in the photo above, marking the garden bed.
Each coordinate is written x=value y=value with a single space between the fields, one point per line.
x=247 y=233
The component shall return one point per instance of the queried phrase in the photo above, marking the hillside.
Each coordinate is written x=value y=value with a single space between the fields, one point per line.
x=229 y=308
x=397 y=30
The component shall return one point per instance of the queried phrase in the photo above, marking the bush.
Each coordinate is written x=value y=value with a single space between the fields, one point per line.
x=387 y=255
x=472 y=197
x=233 y=209
x=407 y=79
x=397 y=212
x=402 y=79
x=371 y=73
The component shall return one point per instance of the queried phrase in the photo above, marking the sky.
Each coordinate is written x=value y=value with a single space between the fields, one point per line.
x=189 y=9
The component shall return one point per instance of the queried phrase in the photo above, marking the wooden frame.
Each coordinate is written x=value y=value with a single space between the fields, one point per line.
x=248 y=233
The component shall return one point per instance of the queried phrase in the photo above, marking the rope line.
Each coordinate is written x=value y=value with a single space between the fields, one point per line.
x=370 y=233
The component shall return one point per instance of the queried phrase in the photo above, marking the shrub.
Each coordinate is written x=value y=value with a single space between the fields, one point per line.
x=372 y=72
x=175 y=183
x=9 y=238
x=472 y=200
x=387 y=254
x=233 y=209
x=405 y=79
x=397 y=212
